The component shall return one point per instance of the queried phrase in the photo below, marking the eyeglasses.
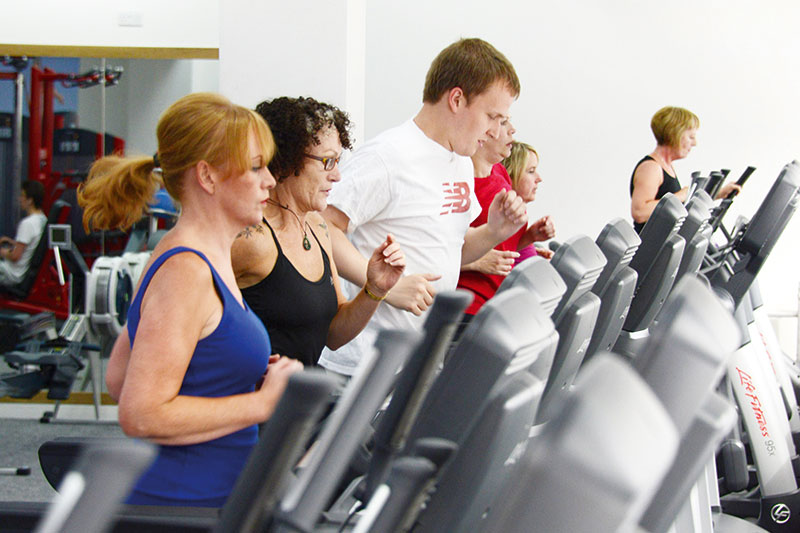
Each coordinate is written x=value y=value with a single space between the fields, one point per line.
x=328 y=163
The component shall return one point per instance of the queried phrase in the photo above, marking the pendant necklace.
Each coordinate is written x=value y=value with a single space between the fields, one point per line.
x=306 y=242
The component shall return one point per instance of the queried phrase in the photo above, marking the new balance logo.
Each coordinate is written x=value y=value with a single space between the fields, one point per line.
x=456 y=198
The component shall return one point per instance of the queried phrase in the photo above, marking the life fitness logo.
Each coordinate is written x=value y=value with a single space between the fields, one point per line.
x=456 y=197
x=747 y=382
x=780 y=513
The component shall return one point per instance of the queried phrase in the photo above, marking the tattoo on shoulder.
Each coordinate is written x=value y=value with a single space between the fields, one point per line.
x=324 y=226
x=248 y=231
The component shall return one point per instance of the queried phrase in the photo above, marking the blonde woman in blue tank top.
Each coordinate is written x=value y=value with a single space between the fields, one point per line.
x=188 y=370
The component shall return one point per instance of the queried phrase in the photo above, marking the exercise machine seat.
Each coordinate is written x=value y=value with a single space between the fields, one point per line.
x=538 y=275
x=509 y=333
x=615 y=285
x=579 y=262
x=656 y=262
x=696 y=232
x=597 y=463
x=760 y=235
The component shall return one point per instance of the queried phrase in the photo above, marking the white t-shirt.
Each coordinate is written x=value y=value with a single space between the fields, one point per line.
x=403 y=183
x=29 y=231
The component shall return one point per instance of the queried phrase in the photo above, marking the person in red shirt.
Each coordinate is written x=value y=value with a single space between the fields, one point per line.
x=483 y=276
x=523 y=168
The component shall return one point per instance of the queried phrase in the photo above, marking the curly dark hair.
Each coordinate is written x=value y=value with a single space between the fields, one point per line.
x=295 y=123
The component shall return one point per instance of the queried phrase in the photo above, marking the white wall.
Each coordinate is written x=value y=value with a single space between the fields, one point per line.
x=154 y=85
x=90 y=99
x=164 y=23
x=299 y=48
x=147 y=87
x=593 y=73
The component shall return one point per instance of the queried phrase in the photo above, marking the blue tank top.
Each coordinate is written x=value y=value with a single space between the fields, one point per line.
x=231 y=360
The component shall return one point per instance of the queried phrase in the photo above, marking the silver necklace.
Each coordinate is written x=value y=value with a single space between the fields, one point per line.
x=306 y=242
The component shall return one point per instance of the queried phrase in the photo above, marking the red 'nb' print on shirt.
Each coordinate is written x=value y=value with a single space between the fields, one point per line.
x=456 y=197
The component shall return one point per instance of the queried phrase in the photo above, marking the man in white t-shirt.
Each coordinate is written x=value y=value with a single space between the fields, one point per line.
x=15 y=254
x=415 y=181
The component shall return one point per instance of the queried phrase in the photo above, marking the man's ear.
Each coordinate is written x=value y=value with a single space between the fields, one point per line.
x=456 y=99
x=205 y=176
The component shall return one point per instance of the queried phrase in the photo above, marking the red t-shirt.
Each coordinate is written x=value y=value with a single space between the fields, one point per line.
x=483 y=286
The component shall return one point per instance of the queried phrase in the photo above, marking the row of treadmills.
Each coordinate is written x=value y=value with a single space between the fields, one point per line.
x=631 y=383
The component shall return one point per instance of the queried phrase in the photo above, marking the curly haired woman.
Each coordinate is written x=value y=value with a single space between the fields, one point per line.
x=284 y=265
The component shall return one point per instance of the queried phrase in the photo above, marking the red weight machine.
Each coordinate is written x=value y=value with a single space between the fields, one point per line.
x=40 y=290
x=43 y=123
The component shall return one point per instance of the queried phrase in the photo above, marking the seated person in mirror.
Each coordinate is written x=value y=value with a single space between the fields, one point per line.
x=16 y=253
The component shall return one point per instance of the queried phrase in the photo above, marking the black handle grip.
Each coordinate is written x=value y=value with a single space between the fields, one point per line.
x=741 y=181
x=715 y=179
x=746 y=174
x=436 y=450
x=408 y=480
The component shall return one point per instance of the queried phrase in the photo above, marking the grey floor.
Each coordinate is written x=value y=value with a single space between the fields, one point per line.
x=20 y=439
x=21 y=434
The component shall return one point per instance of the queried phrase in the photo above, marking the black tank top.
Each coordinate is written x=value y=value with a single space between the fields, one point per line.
x=296 y=312
x=668 y=184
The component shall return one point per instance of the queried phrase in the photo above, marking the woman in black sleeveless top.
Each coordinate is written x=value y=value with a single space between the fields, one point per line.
x=284 y=265
x=675 y=130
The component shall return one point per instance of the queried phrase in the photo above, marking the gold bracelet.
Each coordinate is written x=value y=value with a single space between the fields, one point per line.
x=372 y=296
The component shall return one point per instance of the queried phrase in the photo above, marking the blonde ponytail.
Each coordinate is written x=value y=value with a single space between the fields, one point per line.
x=117 y=191
x=197 y=127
